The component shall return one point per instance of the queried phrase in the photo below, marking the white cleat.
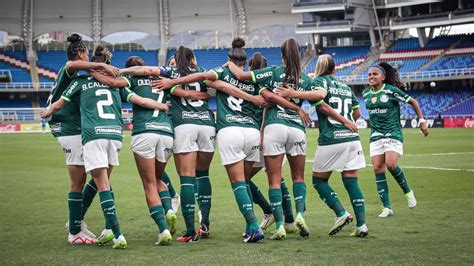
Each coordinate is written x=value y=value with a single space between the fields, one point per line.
x=340 y=222
x=386 y=212
x=84 y=229
x=361 y=231
x=175 y=203
x=120 y=243
x=267 y=221
x=164 y=238
x=80 y=238
x=411 y=199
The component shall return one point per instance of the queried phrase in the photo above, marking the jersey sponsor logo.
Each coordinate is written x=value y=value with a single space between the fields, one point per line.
x=73 y=86
x=67 y=150
x=343 y=134
x=384 y=98
x=108 y=130
x=400 y=97
x=373 y=100
x=158 y=126
x=264 y=75
x=256 y=147
x=168 y=150
x=240 y=119
x=55 y=128
x=299 y=143
x=286 y=116
x=196 y=115
x=378 y=111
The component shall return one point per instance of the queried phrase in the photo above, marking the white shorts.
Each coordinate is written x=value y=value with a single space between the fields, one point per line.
x=339 y=157
x=101 y=153
x=280 y=139
x=190 y=138
x=381 y=146
x=152 y=145
x=239 y=143
x=72 y=148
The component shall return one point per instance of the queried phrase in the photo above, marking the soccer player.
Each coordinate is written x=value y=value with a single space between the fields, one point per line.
x=284 y=131
x=339 y=148
x=65 y=125
x=382 y=99
x=101 y=120
x=152 y=145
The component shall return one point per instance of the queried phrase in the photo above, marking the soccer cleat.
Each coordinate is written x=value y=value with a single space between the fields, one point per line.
x=340 y=222
x=386 y=212
x=120 y=242
x=245 y=233
x=188 y=239
x=411 y=199
x=80 y=238
x=171 y=221
x=301 y=224
x=291 y=228
x=203 y=231
x=361 y=231
x=254 y=237
x=279 y=234
x=267 y=221
x=105 y=237
x=175 y=203
x=84 y=229
x=164 y=238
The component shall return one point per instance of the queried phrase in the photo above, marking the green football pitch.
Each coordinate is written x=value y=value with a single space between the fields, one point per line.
x=440 y=170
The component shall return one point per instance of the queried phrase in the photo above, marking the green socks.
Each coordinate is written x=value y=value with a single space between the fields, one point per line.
x=108 y=207
x=400 y=177
x=245 y=204
x=259 y=199
x=382 y=189
x=328 y=195
x=166 y=200
x=286 y=203
x=75 y=212
x=166 y=179
x=88 y=194
x=158 y=215
x=188 y=202
x=299 y=192
x=357 y=198
x=275 y=201
x=204 y=191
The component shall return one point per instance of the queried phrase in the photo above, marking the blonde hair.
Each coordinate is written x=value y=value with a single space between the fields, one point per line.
x=325 y=65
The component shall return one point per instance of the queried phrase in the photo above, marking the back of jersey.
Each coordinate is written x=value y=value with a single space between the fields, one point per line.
x=343 y=100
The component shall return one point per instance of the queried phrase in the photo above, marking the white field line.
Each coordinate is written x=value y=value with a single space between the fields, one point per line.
x=427 y=167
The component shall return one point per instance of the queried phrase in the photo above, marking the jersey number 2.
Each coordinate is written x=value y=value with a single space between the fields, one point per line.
x=102 y=103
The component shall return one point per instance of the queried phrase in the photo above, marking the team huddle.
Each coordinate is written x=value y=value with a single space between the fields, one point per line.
x=259 y=123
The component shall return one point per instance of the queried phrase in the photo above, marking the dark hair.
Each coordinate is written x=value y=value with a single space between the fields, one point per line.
x=169 y=60
x=257 y=61
x=76 y=45
x=101 y=55
x=290 y=52
x=237 y=54
x=183 y=58
x=134 y=61
x=391 y=75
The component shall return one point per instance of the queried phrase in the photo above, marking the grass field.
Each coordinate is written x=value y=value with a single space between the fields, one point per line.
x=440 y=169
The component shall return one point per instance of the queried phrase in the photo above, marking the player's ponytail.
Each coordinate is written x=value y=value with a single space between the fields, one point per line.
x=290 y=53
x=134 y=61
x=325 y=65
x=257 y=61
x=75 y=46
x=184 y=60
x=391 y=75
x=101 y=55
x=237 y=54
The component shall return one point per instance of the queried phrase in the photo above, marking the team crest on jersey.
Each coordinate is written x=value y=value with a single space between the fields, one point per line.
x=374 y=100
x=384 y=98
x=219 y=70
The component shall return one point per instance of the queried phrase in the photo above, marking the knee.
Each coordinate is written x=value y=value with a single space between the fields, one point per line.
x=77 y=186
x=379 y=168
x=391 y=166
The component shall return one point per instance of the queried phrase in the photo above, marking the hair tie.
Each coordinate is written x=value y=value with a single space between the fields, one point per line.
x=380 y=69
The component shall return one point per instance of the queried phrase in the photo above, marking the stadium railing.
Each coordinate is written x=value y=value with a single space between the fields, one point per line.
x=26 y=85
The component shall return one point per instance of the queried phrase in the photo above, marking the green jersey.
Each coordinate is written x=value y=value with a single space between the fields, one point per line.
x=384 y=111
x=147 y=120
x=232 y=111
x=343 y=100
x=185 y=111
x=272 y=77
x=101 y=108
x=65 y=122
